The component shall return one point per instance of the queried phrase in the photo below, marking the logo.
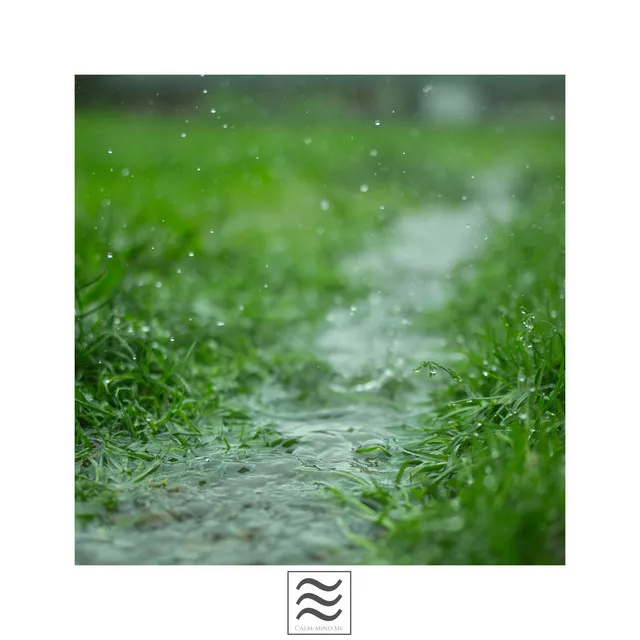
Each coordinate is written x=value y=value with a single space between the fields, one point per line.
x=318 y=603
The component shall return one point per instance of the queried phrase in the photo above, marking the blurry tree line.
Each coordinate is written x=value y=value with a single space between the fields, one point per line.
x=465 y=97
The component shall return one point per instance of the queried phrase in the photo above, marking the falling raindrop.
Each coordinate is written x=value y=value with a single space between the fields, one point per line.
x=307 y=141
x=183 y=135
x=324 y=205
x=373 y=152
x=109 y=255
x=213 y=110
x=364 y=188
x=377 y=123
x=125 y=172
x=109 y=151
x=191 y=254
x=220 y=323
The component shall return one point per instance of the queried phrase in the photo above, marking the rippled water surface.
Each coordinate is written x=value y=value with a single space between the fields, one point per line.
x=269 y=507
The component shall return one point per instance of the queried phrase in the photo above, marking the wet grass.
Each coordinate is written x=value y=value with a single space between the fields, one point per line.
x=484 y=481
x=206 y=262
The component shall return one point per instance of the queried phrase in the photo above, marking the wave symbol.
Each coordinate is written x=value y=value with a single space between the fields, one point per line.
x=319 y=600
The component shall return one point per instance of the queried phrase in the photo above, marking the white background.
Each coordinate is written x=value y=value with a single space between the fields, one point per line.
x=45 y=44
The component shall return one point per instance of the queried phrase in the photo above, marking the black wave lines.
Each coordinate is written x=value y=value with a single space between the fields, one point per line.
x=315 y=583
x=319 y=614
x=319 y=600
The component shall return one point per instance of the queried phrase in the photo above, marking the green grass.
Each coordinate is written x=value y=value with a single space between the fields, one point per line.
x=206 y=263
x=484 y=481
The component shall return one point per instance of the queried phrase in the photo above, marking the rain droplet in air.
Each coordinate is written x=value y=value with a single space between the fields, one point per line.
x=213 y=110
x=364 y=188
x=191 y=254
x=109 y=255
x=220 y=323
x=377 y=123
x=324 y=205
x=183 y=135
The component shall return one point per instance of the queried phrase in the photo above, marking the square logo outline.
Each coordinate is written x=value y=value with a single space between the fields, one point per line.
x=350 y=603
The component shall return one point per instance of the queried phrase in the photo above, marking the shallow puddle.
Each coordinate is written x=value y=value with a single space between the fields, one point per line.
x=269 y=506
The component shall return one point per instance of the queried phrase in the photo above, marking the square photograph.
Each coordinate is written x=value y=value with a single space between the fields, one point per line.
x=319 y=320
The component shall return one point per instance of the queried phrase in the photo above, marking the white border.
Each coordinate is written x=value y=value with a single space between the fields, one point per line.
x=50 y=43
